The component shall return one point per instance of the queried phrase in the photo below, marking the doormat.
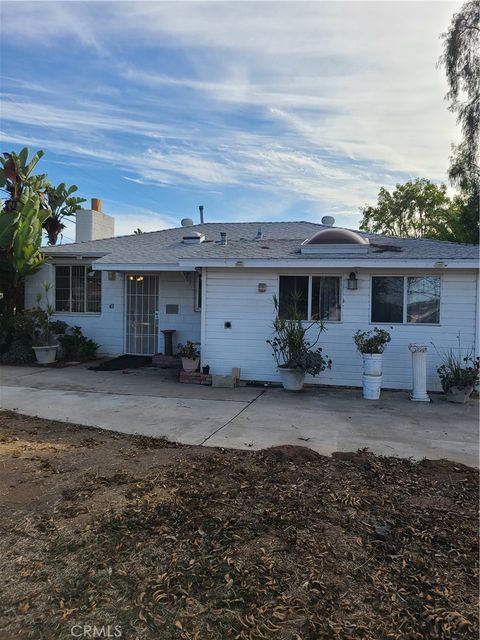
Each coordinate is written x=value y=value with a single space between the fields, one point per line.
x=123 y=362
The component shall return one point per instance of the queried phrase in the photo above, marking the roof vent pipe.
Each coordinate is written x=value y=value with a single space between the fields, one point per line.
x=223 y=238
x=328 y=221
x=201 y=213
x=259 y=235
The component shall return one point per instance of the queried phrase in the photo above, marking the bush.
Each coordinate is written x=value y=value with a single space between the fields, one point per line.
x=19 y=352
x=459 y=372
x=188 y=350
x=77 y=346
x=373 y=341
x=290 y=346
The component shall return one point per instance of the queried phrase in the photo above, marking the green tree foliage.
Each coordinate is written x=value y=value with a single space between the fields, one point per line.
x=417 y=209
x=461 y=59
x=62 y=205
x=21 y=219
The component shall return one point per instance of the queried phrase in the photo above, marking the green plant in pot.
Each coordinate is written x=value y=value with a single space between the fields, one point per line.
x=294 y=354
x=459 y=376
x=371 y=344
x=190 y=355
x=45 y=346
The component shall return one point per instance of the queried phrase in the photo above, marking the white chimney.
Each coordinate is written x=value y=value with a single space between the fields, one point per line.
x=93 y=224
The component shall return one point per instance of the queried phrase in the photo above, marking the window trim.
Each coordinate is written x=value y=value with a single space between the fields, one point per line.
x=340 y=276
x=75 y=313
x=197 y=292
x=404 y=321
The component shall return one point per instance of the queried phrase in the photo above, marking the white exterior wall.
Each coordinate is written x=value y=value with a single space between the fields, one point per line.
x=232 y=295
x=175 y=288
x=108 y=327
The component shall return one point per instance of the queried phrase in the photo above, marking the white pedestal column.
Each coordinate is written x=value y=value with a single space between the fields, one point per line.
x=419 y=371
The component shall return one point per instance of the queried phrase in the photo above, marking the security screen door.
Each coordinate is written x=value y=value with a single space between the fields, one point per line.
x=142 y=314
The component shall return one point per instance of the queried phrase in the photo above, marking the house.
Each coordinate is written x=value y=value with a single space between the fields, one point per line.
x=213 y=284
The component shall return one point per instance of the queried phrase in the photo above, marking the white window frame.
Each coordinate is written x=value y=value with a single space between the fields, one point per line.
x=404 y=321
x=341 y=277
x=75 y=313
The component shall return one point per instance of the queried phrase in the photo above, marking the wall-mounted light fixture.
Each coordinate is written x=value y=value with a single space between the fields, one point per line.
x=262 y=287
x=352 y=282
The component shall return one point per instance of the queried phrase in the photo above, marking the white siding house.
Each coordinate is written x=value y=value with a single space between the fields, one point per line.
x=218 y=291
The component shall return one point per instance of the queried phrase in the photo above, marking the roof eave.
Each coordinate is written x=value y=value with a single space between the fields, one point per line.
x=349 y=262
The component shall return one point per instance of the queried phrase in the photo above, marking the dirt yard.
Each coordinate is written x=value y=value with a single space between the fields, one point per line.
x=145 y=540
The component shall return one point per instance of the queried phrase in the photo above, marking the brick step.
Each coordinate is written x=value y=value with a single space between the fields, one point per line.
x=166 y=362
x=195 y=377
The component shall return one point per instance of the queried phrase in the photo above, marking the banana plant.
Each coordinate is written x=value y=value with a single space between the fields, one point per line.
x=61 y=205
x=16 y=176
x=20 y=245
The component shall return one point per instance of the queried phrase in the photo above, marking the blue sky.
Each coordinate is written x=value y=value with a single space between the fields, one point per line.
x=258 y=111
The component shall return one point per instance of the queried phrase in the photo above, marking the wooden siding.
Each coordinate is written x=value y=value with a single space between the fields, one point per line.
x=232 y=295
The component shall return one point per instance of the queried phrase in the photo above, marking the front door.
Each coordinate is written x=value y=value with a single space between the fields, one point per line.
x=142 y=314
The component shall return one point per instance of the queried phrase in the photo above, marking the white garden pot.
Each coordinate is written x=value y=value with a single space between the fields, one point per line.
x=372 y=385
x=46 y=355
x=372 y=364
x=292 y=379
x=190 y=364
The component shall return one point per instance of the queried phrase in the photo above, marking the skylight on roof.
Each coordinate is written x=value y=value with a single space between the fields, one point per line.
x=335 y=241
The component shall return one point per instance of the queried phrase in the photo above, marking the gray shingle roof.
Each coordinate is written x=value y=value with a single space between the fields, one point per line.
x=281 y=240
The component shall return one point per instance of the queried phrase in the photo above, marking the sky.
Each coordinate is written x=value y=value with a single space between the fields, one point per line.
x=259 y=111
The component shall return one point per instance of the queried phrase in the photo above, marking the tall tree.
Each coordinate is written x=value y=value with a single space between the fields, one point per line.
x=21 y=217
x=416 y=209
x=461 y=59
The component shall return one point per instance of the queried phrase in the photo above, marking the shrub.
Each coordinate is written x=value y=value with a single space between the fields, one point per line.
x=77 y=346
x=459 y=372
x=19 y=352
x=290 y=346
x=188 y=350
x=373 y=341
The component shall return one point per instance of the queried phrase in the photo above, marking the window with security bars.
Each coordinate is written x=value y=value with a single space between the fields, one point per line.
x=78 y=289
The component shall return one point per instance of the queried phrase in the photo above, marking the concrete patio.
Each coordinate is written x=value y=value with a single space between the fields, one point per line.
x=149 y=402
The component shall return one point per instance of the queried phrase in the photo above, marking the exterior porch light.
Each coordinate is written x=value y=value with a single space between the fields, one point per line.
x=352 y=282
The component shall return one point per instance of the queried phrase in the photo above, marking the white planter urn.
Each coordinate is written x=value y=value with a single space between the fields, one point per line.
x=292 y=379
x=372 y=364
x=46 y=355
x=190 y=364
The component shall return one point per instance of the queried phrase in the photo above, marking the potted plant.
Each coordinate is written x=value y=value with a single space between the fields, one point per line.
x=294 y=354
x=190 y=355
x=371 y=344
x=45 y=345
x=458 y=376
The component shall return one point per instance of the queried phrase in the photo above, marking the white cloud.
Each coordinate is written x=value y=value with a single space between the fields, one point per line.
x=344 y=97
